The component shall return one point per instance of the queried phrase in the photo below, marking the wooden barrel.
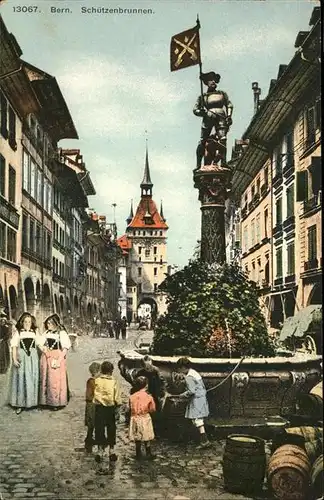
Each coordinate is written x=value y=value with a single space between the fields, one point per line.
x=289 y=473
x=310 y=404
x=244 y=463
x=317 y=478
x=309 y=433
x=314 y=449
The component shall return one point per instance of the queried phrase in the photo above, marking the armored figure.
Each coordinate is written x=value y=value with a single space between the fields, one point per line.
x=216 y=110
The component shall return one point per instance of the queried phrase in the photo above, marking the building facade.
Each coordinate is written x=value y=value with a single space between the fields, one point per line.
x=277 y=186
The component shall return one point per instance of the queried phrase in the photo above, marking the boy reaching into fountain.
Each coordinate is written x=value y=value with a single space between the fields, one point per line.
x=197 y=408
x=90 y=408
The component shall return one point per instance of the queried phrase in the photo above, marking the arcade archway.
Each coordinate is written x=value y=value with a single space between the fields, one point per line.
x=13 y=299
x=29 y=295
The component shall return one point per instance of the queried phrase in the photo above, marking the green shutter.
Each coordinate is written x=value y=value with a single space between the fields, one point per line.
x=302 y=185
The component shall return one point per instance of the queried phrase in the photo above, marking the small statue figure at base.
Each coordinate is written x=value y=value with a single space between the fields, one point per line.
x=216 y=110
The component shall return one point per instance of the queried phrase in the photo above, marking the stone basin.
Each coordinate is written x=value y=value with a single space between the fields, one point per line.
x=255 y=388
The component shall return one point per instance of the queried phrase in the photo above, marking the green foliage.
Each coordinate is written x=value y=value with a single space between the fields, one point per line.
x=213 y=310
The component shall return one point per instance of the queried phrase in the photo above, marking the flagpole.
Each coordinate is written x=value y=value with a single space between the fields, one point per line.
x=200 y=66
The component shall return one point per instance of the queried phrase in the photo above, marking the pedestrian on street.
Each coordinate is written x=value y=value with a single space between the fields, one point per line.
x=90 y=408
x=124 y=328
x=5 y=334
x=117 y=327
x=141 y=428
x=55 y=344
x=107 y=400
x=24 y=376
x=197 y=408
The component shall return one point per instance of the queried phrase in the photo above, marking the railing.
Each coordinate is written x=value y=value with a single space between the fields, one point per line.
x=312 y=203
x=277 y=229
x=311 y=264
x=290 y=279
x=8 y=212
x=289 y=223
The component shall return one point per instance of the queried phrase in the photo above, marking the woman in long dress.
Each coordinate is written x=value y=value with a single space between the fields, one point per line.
x=24 y=379
x=53 y=374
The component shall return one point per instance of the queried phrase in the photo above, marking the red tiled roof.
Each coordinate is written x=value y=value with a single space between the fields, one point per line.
x=147 y=205
x=124 y=243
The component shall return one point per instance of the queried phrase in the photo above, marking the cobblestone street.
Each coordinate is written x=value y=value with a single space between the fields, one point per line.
x=42 y=455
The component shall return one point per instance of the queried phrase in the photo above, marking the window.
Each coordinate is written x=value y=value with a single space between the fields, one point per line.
x=258 y=229
x=12 y=129
x=12 y=185
x=139 y=250
x=278 y=161
x=310 y=126
x=291 y=259
x=32 y=178
x=258 y=185
x=252 y=191
x=11 y=247
x=26 y=171
x=38 y=241
x=32 y=235
x=129 y=301
x=253 y=233
x=278 y=211
x=147 y=252
x=2 y=175
x=2 y=240
x=266 y=176
x=155 y=287
x=49 y=198
x=290 y=148
x=266 y=220
x=245 y=239
x=290 y=200
x=253 y=271
x=312 y=243
x=155 y=271
x=279 y=262
x=4 y=116
x=161 y=233
x=24 y=232
x=139 y=288
x=155 y=250
x=139 y=271
x=39 y=186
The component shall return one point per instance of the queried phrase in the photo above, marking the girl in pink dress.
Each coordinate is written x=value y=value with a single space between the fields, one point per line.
x=53 y=375
x=140 y=428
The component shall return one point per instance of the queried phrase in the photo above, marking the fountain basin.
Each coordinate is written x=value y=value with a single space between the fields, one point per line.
x=259 y=387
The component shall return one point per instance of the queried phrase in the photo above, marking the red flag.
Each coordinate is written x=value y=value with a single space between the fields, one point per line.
x=185 y=49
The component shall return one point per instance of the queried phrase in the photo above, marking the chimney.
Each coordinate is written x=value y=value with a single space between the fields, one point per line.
x=256 y=92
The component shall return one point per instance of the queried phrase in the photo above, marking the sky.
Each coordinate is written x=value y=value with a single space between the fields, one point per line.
x=114 y=73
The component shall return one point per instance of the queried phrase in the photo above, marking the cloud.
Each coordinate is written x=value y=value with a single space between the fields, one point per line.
x=243 y=41
x=108 y=98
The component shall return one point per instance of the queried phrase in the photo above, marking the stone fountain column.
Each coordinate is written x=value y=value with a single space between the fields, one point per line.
x=213 y=182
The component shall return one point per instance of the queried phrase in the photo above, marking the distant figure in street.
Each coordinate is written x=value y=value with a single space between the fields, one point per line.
x=117 y=327
x=55 y=344
x=197 y=408
x=90 y=408
x=124 y=327
x=5 y=334
x=107 y=400
x=141 y=428
x=24 y=377
x=110 y=327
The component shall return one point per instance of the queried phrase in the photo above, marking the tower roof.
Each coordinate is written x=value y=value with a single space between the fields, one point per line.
x=147 y=207
x=146 y=182
x=131 y=214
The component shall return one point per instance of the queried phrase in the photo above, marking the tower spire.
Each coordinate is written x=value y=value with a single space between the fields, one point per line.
x=146 y=184
x=161 y=212
x=131 y=214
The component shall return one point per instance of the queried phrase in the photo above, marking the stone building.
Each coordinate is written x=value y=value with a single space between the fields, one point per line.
x=145 y=250
x=277 y=185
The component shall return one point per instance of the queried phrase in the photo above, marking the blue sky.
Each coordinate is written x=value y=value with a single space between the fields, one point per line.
x=113 y=70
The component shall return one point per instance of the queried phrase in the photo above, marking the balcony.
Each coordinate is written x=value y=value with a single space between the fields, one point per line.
x=289 y=223
x=311 y=264
x=263 y=190
x=277 y=230
x=288 y=169
x=244 y=211
x=277 y=180
x=9 y=213
x=291 y=278
x=312 y=205
x=278 y=281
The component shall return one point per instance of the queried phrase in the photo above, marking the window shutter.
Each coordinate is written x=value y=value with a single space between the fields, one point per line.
x=302 y=184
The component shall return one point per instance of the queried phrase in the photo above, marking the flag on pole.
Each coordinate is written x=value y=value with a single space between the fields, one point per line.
x=185 y=49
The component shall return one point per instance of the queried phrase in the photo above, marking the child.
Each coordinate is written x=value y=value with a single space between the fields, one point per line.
x=197 y=408
x=94 y=370
x=141 y=429
x=107 y=399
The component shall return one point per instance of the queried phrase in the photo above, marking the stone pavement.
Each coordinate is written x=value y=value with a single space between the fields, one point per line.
x=42 y=455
